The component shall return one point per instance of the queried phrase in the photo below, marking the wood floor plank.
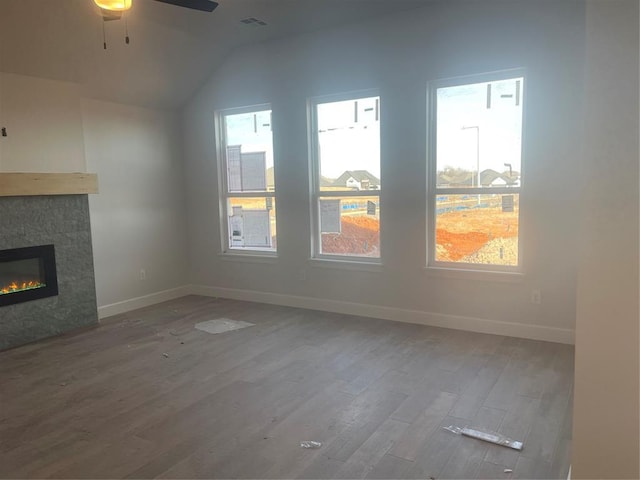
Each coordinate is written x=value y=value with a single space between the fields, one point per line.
x=365 y=414
x=248 y=430
x=509 y=383
x=437 y=451
x=468 y=456
x=473 y=397
x=413 y=439
x=391 y=467
x=322 y=467
x=360 y=463
x=314 y=422
x=494 y=471
x=516 y=425
x=545 y=431
x=146 y=395
x=562 y=455
x=420 y=398
x=526 y=468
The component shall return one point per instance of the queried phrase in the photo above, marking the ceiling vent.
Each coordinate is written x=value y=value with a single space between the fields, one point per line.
x=256 y=22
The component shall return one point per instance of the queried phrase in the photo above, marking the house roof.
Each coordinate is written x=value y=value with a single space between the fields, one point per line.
x=325 y=182
x=271 y=182
x=487 y=177
x=455 y=177
x=358 y=175
x=465 y=178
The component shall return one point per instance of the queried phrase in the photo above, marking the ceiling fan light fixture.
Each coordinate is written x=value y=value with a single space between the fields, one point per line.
x=113 y=5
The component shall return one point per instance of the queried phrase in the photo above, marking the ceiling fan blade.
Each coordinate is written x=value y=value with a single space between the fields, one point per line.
x=202 y=5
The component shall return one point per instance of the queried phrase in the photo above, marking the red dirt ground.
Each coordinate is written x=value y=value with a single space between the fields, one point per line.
x=360 y=236
x=460 y=233
x=459 y=245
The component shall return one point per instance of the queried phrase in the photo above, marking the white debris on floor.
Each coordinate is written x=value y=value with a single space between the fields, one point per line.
x=221 y=325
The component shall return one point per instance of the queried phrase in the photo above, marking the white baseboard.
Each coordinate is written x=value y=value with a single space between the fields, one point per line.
x=472 y=324
x=105 y=311
x=480 y=325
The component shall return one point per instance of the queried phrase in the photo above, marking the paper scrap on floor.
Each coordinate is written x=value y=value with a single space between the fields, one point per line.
x=490 y=437
x=221 y=325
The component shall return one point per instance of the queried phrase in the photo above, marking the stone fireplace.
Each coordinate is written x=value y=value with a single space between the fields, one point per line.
x=36 y=230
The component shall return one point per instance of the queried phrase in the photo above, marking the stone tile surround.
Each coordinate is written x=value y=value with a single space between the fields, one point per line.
x=62 y=220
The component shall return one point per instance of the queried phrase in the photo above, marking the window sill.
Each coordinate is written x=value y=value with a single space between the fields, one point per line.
x=345 y=264
x=481 y=275
x=259 y=257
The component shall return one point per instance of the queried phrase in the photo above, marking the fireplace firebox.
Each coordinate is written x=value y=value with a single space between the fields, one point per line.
x=27 y=274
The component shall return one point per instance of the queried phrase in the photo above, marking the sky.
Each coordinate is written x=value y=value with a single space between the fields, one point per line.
x=252 y=131
x=349 y=144
x=344 y=143
x=499 y=127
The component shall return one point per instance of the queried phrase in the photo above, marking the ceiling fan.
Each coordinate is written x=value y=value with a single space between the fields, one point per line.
x=112 y=9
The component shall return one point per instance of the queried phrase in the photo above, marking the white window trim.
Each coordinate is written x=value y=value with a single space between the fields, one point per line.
x=475 y=274
x=223 y=191
x=341 y=264
x=250 y=257
x=468 y=270
x=317 y=193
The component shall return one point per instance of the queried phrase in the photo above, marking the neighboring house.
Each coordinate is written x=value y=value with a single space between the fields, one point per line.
x=455 y=178
x=491 y=178
x=271 y=182
x=357 y=180
x=326 y=182
x=488 y=178
x=512 y=178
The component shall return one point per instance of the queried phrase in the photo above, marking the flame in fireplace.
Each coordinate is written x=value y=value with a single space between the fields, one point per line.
x=15 y=287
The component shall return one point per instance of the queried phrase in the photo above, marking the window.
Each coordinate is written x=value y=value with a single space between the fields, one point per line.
x=346 y=171
x=248 y=181
x=475 y=172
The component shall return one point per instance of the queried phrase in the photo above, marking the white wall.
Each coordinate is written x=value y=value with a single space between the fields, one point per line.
x=137 y=219
x=399 y=55
x=44 y=125
x=606 y=407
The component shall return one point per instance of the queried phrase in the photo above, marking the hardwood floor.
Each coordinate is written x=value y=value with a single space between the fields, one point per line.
x=146 y=395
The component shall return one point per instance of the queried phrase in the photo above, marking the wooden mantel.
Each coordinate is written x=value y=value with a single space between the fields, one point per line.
x=30 y=184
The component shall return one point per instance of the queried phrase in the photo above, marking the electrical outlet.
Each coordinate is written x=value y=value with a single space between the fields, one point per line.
x=143 y=274
x=536 y=297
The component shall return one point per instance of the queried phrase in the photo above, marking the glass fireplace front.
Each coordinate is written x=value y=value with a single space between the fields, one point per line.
x=27 y=274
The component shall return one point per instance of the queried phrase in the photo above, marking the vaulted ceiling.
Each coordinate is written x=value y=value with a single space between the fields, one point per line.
x=172 y=50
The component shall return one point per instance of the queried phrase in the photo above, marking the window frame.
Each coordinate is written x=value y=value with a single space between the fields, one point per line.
x=224 y=194
x=433 y=191
x=316 y=175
